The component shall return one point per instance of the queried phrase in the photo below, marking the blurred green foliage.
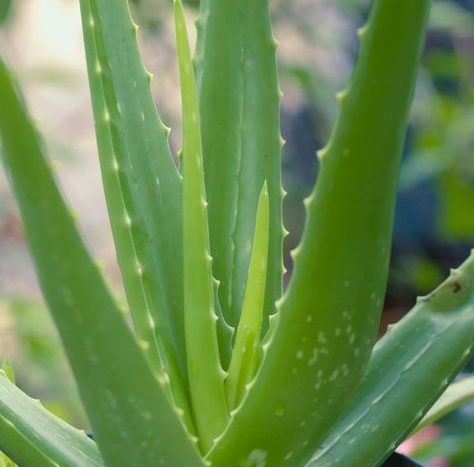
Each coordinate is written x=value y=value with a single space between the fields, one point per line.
x=38 y=360
x=6 y=7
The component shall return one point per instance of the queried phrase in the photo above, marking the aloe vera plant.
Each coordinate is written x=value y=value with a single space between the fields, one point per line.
x=221 y=367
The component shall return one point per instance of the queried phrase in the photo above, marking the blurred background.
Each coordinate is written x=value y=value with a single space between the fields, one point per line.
x=434 y=224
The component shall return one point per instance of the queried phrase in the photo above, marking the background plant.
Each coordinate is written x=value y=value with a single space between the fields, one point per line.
x=130 y=136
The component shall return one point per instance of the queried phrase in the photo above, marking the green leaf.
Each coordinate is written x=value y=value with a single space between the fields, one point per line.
x=31 y=435
x=329 y=316
x=246 y=351
x=456 y=395
x=126 y=413
x=239 y=105
x=142 y=187
x=6 y=7
x=5 y=461
x=7 y=368
x=206 y=376
x=409 y=369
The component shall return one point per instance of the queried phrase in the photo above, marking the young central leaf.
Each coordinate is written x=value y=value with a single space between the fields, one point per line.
x=245 y=353
x=206 y=377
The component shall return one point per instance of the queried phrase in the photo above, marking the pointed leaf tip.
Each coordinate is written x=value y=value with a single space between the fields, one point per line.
x=247 y=349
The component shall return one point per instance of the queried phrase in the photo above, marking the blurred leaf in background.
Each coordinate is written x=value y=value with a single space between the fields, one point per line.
x=6 y=7
x=34 y=351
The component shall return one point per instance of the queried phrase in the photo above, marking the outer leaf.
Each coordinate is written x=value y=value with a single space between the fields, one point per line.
x=32 y=436
x=246 y=350
x=206 y=377
x=142 y=187
x=455 y=396
x=126 y=413
x=239 y=101
x=423 y=353
x=329 y=316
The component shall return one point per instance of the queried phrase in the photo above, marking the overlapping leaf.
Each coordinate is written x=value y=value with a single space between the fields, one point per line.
x=31 y=435
x=126 y=404
x=239 y=102
x=206 y=376
x=142 y=186
x=410 y=367
x=329 y=317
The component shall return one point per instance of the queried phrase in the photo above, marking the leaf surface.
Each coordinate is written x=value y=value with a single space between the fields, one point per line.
x=239 y=103
x=328 y=319
x=126 y=413
x=142 y=186
x=31 y=435
x=247 y=347
x=206 y=376
x=410 y=368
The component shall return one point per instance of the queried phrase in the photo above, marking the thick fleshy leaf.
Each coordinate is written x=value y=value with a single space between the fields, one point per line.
x=5 y=10
x=239 y=101
x=206 y=376
x=30 y=435
x=126 y=412
x=142 y=187
x=329 y=316
x=247 y=347
x=410 y=368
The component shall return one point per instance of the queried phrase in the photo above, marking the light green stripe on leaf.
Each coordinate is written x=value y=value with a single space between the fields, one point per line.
x=329 y=317
x=126 y=413
x=246 y=349
x=423 y=353
x=206 y=377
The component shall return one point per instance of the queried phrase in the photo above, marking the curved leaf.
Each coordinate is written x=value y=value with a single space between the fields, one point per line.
x=409 y=369
x=329 y=317
x=239 y=102
x=126 y=412
x=142 y=187
x=206 y=376
x=246 y=351
x=31 y=435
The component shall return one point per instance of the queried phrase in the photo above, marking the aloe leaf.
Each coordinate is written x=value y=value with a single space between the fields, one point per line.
x=246 y=349
x=7 y=368
x=239 y=104
x=126 y=413
x=225 y=332
x=30 y=435
x=329 y=316
x=423 y=352
x=5 y=461
x=142 y=186
x=456 y=395
x=206 y=376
